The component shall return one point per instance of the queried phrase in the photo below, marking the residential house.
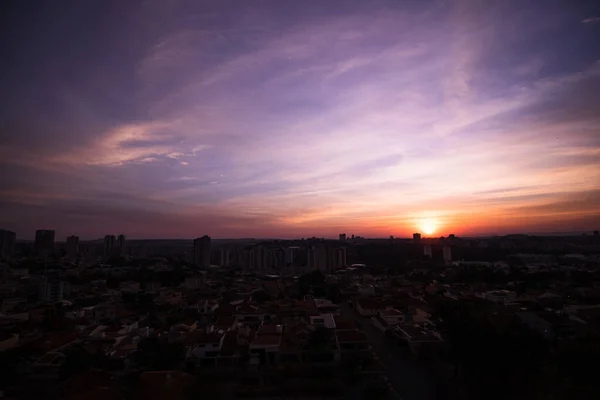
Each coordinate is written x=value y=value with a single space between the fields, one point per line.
x=387 y=319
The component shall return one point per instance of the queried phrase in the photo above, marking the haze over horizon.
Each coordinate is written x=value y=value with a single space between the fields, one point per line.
x=179 y=118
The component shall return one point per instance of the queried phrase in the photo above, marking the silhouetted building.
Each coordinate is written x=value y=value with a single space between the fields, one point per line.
x=7 y=244
x=336 y=258
x=447 y=254
x=121 y=245
x=51 y=290
x=277 y=258
x=220 y=257
x=44 y=242
x=428 y=251
x=342 y=237
x=202 y=251
x=291 y=255
x=72 y=246
x=416 y=237
x=451 y=236
x=109 y=245
x=596 y=233
x=317 y=257
x=259 y=258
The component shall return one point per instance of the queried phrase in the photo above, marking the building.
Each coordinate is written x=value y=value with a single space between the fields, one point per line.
x=447 y=254
x=342 y=237
x=388 y=318
x=317 y=257
x=417 y=237
x=72 y=246
x=202 y=251
x=121 y=245
x=220 y=257
x=336 y=258
x=291 y=255
x=428 y=251
x=7 y=244
x=259 y=258
x=276 y=258
x=51 y=289
x=109 y=245
x=44 y=242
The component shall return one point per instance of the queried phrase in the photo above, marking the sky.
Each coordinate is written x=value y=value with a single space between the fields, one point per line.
x=286 y=118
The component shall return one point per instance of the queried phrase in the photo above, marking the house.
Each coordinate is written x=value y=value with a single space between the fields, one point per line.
x=327 y=306
x=422 y=315
x=8 y=340
x=416 y=337
x=203 y=347
x=89 y=385
x=264 y=348
x=388 y=319
x=344 y=324
x=323 y=320
x=367 y=307
x=175 y=385
x=500 y=296
x=352 y=341
x=293 y=342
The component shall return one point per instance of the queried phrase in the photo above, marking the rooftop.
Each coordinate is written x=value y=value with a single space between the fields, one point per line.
x=353 y=336
x=266 y=340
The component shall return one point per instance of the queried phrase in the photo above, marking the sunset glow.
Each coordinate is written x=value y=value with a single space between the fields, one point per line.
x=428 y=226
x=277 y=119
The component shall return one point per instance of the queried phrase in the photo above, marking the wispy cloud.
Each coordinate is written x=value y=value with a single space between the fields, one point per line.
x=591 y=21
x=374 y=115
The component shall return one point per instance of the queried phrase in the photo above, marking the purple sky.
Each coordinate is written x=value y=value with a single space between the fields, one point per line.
x=174 y=119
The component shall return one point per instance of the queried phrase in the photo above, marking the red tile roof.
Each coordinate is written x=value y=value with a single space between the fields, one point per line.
x=199 y=337
x=230 y=344
x=351 y=336
x=342 y=323
x=390 y=312
x=266 y=340
x=269 y=329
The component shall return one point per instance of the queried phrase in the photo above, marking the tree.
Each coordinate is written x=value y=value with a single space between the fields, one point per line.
x=158 y=354
x=261 y=296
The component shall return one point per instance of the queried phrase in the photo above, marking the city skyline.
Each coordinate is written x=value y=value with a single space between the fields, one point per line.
x=179 y=119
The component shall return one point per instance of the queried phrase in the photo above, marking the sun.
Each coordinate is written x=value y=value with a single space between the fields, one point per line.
x=428 y=226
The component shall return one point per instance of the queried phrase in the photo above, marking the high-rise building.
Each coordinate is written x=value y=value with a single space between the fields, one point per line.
x=291 y=255
x=317 y=257
x=220 y=257
x=109 y=245
x=44 y=242
x=596 y=233
x=416 y=237
x=51 y=289
x=202 y=251
x=259 y=258
x=121 y=245
x=336 y=258
x=276 y=258
x=342 y=237
x=447 y=254
x=72 y=246
x=428 y=251
x=7 y=244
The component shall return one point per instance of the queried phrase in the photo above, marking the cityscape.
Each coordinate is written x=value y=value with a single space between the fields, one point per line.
x=300 y=199
x=347 y=317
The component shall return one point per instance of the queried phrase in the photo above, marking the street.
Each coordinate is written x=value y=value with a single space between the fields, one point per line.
x=409 y=380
